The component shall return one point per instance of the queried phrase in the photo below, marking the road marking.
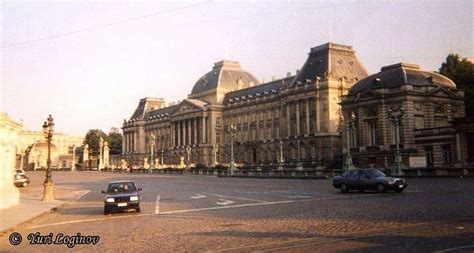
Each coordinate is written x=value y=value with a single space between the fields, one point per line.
x=232 y=197
x=157 y=206
x=224 y=202
x=198 y=196
x=299 y=197
x=196 y=210
x=453 y=249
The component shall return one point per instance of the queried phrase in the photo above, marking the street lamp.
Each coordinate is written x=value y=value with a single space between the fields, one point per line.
x=162 y=151
x=232 y=130
x=398 y=165
x=348 y=164
x=188 y=152
x=216 y=150
x=48 y=130
x=281 y=159
x=151 y=139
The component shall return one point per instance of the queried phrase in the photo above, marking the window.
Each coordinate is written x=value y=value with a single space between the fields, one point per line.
x=371 y=126
x=429 y=156
x=353 y=137
x=446 y=154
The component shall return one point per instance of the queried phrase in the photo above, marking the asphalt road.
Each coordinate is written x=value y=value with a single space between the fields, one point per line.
x=204 y=213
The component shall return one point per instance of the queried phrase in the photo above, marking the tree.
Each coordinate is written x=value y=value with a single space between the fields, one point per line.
x=461 y=71
x=92 y=139
x=115 y=143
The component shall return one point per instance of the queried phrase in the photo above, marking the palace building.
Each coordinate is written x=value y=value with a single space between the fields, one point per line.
x=294 y=120
x=425 y=105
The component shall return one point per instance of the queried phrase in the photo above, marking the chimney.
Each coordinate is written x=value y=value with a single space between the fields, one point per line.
x=297 y=71
x=288 y=74
x=274 y=78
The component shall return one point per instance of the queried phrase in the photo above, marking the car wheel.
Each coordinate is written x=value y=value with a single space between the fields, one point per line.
x=343 y=188
x=138 y=209
x=106 y=211
x=380 y=188
x=399 y=190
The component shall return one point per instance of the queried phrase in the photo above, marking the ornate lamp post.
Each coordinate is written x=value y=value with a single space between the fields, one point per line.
x=281 y=159
x=48 y=130
x=232 y=130
x=162 y=152
x=398 y=165
x=151 y=139
x=188 y=152
x=348 y=164
x=216 y=150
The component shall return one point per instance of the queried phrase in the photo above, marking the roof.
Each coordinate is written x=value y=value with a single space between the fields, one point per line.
x=121 y=181
x=262 y=88
x=400 y=74
x=331 y=61
x=162 y=112
x=225 y=74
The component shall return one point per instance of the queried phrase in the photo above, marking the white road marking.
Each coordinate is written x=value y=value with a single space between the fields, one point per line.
x=224 y=202
x=299 y=197
x=198 y=196
x=453 y=249
x=157 y=205
x=196 y=210
x=232 y=197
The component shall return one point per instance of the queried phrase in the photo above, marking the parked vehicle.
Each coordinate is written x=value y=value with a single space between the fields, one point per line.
x=20 y=179
x=368 y=179
x=121 y=195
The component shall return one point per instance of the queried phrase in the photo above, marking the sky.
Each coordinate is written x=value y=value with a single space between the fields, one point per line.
x=88 y=63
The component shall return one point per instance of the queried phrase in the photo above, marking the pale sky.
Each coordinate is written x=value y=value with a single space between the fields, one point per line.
x=88 y=63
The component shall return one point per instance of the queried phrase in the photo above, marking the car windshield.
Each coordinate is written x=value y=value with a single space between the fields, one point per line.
x=376 y=173
x=125 y=187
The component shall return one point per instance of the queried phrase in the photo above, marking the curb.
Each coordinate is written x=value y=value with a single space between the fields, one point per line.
x=50 y=210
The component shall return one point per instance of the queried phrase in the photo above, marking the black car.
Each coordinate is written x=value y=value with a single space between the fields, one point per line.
x=20 y=179
x=368 y=179
x=121 y=195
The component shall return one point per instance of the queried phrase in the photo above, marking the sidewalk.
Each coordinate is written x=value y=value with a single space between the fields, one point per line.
x=28 y=209
x=31 y=205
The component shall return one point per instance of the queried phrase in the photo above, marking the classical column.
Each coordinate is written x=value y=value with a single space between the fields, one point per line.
x=298 y=123
x=203 y=136
x=307 y=117
x=195 y=121
x=288 y=119
x=189 y=132
x=178 y=133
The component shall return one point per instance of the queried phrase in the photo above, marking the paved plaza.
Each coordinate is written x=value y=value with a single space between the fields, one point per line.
x=206 y=213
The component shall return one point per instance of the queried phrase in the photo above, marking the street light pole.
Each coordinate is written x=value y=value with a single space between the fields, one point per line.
x=48 y=191
x=232 y=130
x=152 y=146
x=348 y=164
x=398 y=164
x=281 y=159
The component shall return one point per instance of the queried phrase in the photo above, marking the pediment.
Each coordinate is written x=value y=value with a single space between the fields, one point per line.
x=187 y=106
x=441 y=91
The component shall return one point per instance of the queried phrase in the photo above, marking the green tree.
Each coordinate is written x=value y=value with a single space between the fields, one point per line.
x=115 y=143
x=92 y=138
x=461 y=71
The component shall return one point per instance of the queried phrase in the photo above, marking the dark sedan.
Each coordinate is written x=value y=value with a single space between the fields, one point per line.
x=121 y=195
x=368 y=179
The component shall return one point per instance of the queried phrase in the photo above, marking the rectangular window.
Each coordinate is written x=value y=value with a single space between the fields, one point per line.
x=446 y=154
x=429 y=156
x=371 y=126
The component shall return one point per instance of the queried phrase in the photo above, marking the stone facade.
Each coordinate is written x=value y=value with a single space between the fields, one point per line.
x=9 y=136
x=427 y=103
x=296 y=117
